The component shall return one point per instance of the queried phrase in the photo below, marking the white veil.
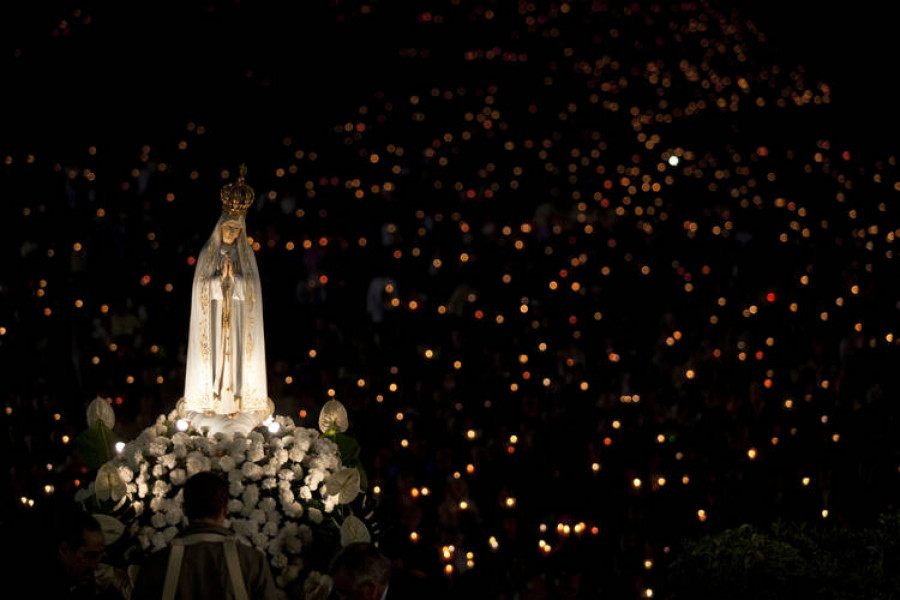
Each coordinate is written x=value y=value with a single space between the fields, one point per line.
x=198 y=385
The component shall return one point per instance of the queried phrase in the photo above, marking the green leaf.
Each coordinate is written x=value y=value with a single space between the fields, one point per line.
x=95 y=444
x=348 y=447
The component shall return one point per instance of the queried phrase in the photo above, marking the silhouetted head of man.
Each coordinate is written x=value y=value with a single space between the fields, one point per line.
x=206 y=499
x=360 y=572
x=79 y=547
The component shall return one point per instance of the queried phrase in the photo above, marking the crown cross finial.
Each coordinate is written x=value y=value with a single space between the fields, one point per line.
x=237 y=197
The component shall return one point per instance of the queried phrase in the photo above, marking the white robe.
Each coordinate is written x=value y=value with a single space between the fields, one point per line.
x=226 y=362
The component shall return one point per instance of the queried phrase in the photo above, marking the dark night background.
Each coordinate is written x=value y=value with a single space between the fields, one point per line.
x=273 y=84
x=144 y=65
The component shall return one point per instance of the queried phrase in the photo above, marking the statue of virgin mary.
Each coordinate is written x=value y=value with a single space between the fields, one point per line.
x=225 y=384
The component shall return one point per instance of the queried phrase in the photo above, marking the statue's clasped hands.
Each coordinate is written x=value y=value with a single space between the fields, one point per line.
x=228 y=268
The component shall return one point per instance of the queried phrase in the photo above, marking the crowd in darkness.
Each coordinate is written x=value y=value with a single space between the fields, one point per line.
x=589 y=280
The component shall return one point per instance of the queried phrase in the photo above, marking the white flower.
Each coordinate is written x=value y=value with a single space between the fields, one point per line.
x=330 y=502
x=269 y=483
x=145 y=437
x=178 y=477
x=354 y=530
x=315 y=515
x=294 y=510
x=240 y=527
x=160 y=488
x=252 y=471
x=285 y=474
x=306 y=534
x=142 y=489
x=85 y=492
x=156 y=503
x=260 y=540
x=297 y=453
x=326 y=448
x=158 y=520
x=250 y=496
x=100 y=410
x=197 y=463
x=108 y=483
x=174 y=516
x=170 y=533
x=111 y=526
x=256 y=452
x=126 y=474
x=158 y=470
x=293 y=544
x=280 y=457
x=268 y=504
x=305 y=493
x=145 y=535
x=270 y=528
x=133 y=457
x=201 y=443
x=279 y=561
x=158 y=541
x=226 y=463
x=235 y=505
x=317 y=586
x=138 y=507
x=167 y=460
x=287 y=497
x=314 y=478
x=291 y=573
x=345 y=484
x=158 y=447
x=258 y=515
x=179 y=450
x=333 y=417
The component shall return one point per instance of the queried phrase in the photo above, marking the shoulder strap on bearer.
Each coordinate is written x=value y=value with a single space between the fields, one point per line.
x=176 y=555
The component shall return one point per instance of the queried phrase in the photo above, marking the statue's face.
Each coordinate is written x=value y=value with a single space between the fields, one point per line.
x=230 y=231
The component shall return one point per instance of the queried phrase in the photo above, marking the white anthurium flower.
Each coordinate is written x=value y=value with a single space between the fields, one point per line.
x=333 y=417
x=354 y=530
x=345 y=484
x=111 y=526
x=109 y=484
x=86 y=492
x=100 y=410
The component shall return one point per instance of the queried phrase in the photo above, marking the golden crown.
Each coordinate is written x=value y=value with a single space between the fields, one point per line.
x=237 y=197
